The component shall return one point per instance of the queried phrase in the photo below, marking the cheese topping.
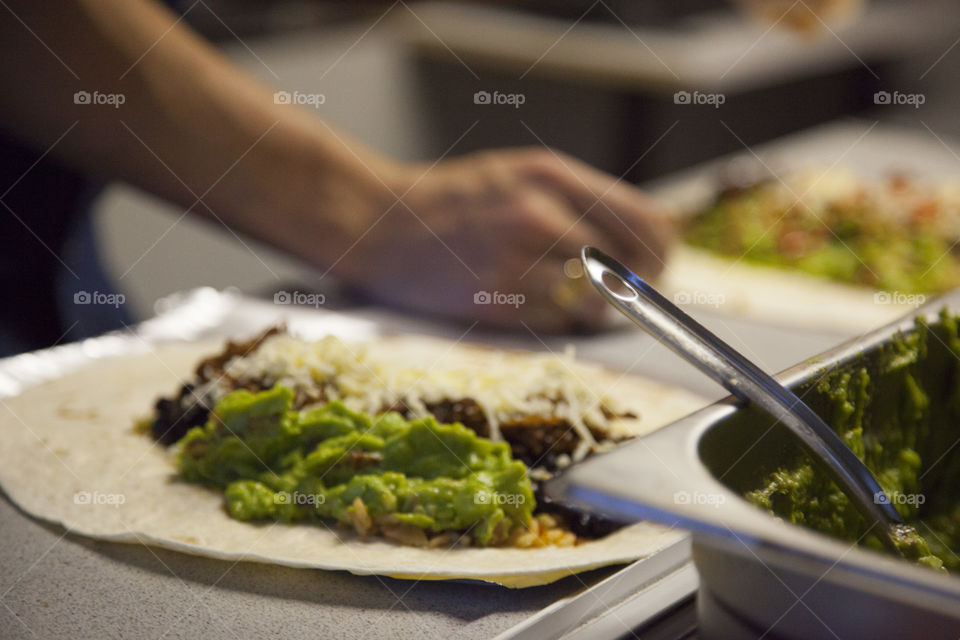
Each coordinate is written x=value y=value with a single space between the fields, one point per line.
x=372 y=379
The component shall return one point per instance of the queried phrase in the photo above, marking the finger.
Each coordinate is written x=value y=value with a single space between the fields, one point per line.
x=598 y=182
x=644 y=234
x=560 y=299
x=631 y=221
x=550 y=227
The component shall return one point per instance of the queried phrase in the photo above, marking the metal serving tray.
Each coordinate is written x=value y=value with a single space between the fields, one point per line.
x=760 y=575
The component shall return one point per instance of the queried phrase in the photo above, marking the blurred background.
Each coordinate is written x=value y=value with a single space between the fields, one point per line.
x=601 y=80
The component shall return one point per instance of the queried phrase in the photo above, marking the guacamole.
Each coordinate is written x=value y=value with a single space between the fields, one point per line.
x=407 y=479
x=899 y=411
x=894 y=237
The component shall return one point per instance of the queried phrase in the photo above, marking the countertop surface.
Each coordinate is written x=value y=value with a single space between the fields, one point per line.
x=58 y=585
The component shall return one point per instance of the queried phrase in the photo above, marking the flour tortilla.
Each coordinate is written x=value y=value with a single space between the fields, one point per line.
x=778 y=296
x=71 y=456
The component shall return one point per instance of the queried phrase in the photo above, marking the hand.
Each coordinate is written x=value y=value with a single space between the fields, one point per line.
x=504 y=222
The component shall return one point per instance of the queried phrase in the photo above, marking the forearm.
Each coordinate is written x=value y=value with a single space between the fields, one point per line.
x=192 y=127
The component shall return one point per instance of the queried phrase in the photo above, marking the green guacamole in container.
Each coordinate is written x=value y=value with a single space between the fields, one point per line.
x=899 y=411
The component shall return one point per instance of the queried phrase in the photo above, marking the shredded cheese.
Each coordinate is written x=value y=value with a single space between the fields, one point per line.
x=371 y=379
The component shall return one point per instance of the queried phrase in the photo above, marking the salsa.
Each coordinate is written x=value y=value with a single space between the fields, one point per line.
x=407 y=479
x=900 y=414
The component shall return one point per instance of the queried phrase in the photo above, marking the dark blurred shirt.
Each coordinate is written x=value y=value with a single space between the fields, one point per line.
x=48 y=254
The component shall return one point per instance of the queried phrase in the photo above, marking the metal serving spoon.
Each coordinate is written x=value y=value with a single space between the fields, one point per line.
x=686 y=337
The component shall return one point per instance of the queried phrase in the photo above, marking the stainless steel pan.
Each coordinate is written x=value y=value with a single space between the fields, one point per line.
x=759 y=575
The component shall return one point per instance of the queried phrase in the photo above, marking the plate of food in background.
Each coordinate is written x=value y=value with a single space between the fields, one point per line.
x=843 y=228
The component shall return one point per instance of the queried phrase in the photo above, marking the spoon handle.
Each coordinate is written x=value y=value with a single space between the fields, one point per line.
x=643 y=304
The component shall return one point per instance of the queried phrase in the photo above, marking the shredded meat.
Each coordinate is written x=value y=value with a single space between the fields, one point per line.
x=213 y=367
x=173 y=417
x=466 y=411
